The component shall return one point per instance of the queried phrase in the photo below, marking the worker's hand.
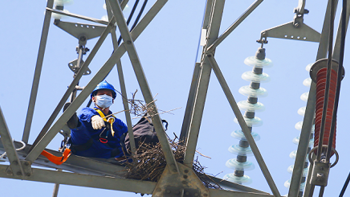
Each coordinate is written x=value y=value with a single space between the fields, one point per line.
x=97 y=122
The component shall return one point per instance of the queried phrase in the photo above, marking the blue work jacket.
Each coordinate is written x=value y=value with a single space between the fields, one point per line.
x=84 y=133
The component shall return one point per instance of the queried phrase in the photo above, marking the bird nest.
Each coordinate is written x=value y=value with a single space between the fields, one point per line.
x=149 y=163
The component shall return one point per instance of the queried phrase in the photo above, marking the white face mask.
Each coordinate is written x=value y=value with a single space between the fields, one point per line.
x=103 y=101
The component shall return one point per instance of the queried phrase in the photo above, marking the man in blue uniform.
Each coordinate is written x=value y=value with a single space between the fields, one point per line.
x=98 y=133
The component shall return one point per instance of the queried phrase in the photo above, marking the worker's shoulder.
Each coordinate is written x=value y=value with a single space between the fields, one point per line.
x=88 y=110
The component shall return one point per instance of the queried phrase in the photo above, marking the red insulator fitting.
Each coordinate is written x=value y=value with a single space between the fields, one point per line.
x=318 y=74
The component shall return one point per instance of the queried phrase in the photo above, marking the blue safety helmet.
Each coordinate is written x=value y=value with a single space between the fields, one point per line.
x=104 y=85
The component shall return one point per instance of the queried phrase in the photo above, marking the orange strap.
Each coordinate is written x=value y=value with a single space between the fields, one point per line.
x=55 y=159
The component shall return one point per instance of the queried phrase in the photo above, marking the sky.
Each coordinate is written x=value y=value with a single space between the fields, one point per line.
x=168 y=51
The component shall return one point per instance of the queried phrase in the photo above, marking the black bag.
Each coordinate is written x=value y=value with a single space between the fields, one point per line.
x=144 y=132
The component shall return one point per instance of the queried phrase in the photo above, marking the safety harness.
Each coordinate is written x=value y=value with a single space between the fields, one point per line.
x=111 y=119
x=102 y=136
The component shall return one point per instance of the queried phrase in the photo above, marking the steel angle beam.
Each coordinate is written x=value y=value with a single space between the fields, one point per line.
x=152 y=109
x=234 y=25
x=225 y=193
x=213 y=17
x=195 y=80
x=37 y=73
x=74 y=163
x=103 y=182
x=70 y=110
x=288 y=31
x=6 y=139
x=337 y=45
x=190 y=102
x=234 y=186
x=122 y=87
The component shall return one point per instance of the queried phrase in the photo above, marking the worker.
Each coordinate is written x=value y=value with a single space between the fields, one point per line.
x=97 y=133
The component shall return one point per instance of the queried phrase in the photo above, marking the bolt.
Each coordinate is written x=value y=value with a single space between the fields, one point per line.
x=185 y=176
x=184 y=182
x=27 y=174
x=186 y=171
x=19 y=173
x=15 y=162
x=320 y=176
x=26 y=163
x=9 y=172
x=209 y=55
x=296 y=24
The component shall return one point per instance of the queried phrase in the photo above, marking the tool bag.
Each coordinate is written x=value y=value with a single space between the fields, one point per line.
x=144 y=133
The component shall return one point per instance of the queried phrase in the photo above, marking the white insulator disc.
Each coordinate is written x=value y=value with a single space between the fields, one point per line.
x=287 y=184
x=296 y=141
x=301 y=111
x=308 y=67
x=239 y=135
x=304 y=96
x=251 y=122
x=245 y=105
x=250 y=92
x=105 y=18
x=250 y=76
x=234 y=164
x=307 y=82
x=305 y=171
x=293 y=154
x=236 y=149
x=253 y=61
x=239 y=180
x=59 y=16
x=299 y=125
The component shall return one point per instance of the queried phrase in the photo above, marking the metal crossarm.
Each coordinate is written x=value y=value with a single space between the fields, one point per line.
x=6 y=139
x=103 y=182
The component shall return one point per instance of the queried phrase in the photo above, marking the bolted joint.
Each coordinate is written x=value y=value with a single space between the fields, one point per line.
x=209 y=54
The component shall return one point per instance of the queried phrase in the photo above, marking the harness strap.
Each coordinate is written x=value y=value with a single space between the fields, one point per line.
x=56 y=159
x=109 y=120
